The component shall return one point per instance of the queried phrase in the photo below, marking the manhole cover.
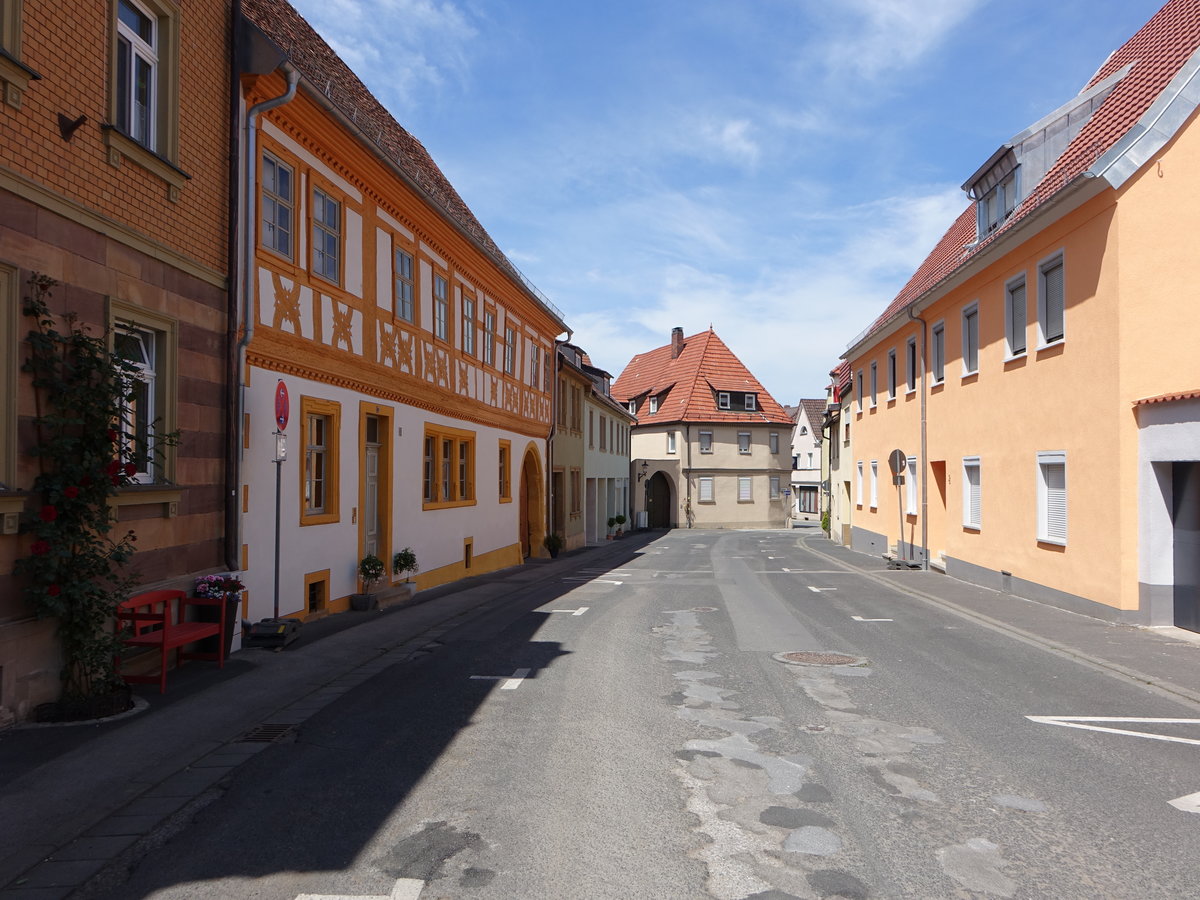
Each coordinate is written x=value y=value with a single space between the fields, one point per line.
x=265 y=734
x=819 y=658
x=704 y=609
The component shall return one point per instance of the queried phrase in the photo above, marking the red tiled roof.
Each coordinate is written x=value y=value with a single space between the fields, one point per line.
x=1157 y=52
x=705 y=365
x=816 y=412
x=1169 y=398
x=325 y=72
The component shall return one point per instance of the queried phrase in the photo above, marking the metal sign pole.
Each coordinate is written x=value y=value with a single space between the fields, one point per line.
x=280 y=452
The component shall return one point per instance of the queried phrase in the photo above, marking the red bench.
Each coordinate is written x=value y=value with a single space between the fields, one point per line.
x=157 y=619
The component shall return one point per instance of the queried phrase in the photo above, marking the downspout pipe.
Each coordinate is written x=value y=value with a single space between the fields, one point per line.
x=924 y=440
x=248 y=270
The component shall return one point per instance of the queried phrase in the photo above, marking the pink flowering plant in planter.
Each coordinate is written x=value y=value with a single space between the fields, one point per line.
x=76 y=566
x=218 y=585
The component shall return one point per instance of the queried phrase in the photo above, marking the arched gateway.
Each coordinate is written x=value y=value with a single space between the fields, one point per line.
x=533 y=505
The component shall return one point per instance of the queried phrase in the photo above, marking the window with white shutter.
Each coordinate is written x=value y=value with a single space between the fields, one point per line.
x=1051 y=301
x=774 y=487
x=706 y=489
x=1052 y=497
x=745 y=494
x=971 y=493
x=874 y=484
x=910 y=479
x=858 y=494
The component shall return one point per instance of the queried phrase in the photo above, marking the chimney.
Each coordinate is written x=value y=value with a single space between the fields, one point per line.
x=676 y=342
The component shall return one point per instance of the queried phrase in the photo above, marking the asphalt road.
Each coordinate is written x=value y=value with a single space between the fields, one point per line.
x=640 y=733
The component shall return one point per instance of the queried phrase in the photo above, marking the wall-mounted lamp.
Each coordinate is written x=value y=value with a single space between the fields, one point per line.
x=645 y=467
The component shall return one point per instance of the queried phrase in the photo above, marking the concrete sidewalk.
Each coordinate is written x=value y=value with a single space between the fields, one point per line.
x=75 y=798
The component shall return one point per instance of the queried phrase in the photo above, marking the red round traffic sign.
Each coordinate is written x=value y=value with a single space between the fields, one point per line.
x=282 y=406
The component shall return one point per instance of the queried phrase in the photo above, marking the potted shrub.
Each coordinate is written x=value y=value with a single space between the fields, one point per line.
x=612 y=523
x=370 y=569
x=620 y=525
x=403 y=562
x=553 y=542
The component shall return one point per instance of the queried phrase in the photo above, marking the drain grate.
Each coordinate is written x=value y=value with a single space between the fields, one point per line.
x=265 y=734
x=819 y=658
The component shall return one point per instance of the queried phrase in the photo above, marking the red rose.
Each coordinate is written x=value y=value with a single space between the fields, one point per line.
x=115 y=479
x=86 y=481
x=113 y=467
x=71 y=492
x=112 y=435
x=130 y=469
x=54 y=590
x=39 y=548
x=48 y=514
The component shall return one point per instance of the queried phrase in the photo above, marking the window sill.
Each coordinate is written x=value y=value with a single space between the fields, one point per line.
x=448 y=504
x=16 y=77
x=1052 y=543
x=1012 y=357
x=320 y=519
x=506 y=499
x=976 y=529
x=11 y=507
x=121 y=146
x=147 y=495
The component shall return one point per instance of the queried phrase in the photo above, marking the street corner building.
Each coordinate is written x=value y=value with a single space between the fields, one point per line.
x=115 y=182
x=1037 y=380
x=711 y=448
x=413 y=360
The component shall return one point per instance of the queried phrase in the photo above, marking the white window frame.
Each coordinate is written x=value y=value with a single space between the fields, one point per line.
x=142 y=426
x=745 y=446
x=441 y=308
x=146 y=52
x=910 y=479
x=709 y=448
x=326 y=263
x=468 y=324
x=1050 y=532
x=745 y=489
x=1016 y=317
x=874 y=484
x=972 y=504
x=858 y=484
x=891 y=374
x=911 y=363
x=633 y=407
x=671 y=442
x=860 y=390
x=704 y=489
x=970 y=339
x=653 y=405
x=1051 y=262
x=722 y=400
x=751 y=402
x=272 y=201
x=938 y=351
x=405 y=285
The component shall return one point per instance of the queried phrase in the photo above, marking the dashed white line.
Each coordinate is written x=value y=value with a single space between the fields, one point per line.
x=861 y=619
x=574 y=612
x=511 y=682
x=403 y=889
x=817 y=590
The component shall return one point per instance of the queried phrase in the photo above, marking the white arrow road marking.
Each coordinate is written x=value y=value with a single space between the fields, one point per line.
x=1190 y=803
x=817 y=590
x=574 y=612
x=1079 y=722
x=404 y=889
x=511 y=683
x=861 y=619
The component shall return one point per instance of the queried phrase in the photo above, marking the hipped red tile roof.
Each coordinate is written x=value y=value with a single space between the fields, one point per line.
x=705 y=365
x=326 y=73
x=1157 y=52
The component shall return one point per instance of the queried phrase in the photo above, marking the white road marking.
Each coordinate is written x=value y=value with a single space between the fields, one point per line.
x=404 y=889
x=511 y=682
x=1189 y=803
x=1079 y=722
x=574 y=612
x=861 y=619
x=593 y=581
x=817 y=590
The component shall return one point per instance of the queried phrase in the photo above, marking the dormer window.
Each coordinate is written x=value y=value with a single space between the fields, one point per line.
x=997 y=205
x=633 y=407
x=653 y=405
x=722 y=400
x=751 y=402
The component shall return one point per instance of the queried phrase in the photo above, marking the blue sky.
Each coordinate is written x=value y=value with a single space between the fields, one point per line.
x=773 y=168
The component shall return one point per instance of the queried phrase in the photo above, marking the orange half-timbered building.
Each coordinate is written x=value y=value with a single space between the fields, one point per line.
x=415 y=357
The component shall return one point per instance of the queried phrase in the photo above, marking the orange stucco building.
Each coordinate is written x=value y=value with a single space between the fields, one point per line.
x=1039 y=373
